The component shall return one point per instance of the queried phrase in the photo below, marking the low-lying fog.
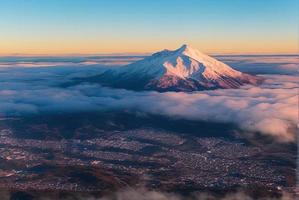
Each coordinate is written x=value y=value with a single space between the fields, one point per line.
x=33 y=86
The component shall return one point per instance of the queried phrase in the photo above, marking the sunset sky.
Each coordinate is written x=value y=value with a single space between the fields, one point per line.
x=135 y=26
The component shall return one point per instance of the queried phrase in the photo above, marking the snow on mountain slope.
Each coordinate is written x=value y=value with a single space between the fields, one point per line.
x=184 y=69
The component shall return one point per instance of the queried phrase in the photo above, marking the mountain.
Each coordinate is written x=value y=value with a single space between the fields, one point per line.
x=184 y=69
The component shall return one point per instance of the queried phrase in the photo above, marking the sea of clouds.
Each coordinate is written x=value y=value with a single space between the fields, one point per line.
x=145 y=194
x=271 y=108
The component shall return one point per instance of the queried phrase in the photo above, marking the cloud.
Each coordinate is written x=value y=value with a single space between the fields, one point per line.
x=271 y=108
x=267 y=64
x=78 y=61
x=146 y=194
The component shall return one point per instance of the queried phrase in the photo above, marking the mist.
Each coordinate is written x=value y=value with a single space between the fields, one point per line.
x=270 y=109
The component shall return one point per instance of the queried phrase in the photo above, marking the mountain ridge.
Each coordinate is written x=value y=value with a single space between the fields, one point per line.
x=183 y=69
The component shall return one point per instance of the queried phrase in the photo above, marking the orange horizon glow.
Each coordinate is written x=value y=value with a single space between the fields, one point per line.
x=57 y=48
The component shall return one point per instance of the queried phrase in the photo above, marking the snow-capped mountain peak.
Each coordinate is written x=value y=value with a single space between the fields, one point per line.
x=187 y=62
x=183 y=69
x=187 y=50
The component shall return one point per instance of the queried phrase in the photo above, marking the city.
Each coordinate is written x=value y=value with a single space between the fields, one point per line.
x=158 y=159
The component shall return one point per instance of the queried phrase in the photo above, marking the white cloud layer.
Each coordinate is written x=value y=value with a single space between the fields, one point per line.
x=271 y=108
x=267 y=64
x=144 y=194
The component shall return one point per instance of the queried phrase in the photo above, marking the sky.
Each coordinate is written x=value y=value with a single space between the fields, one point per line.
x=135 y=26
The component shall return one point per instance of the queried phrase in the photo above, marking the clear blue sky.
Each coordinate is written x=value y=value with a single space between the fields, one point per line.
x=98 y=26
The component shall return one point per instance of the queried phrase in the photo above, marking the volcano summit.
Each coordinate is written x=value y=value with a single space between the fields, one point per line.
x=184 y=69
